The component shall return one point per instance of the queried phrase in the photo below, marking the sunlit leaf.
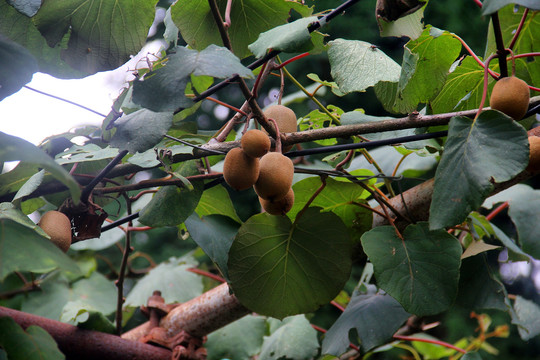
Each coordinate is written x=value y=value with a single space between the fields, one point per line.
x=420 y=271
x=164 y=88
x=249 y=18
x=357 y=65
x=102 y=34
x=494 y=148
x=292 y=37
x=216 y=200
x=13 y=148
x=278 y=268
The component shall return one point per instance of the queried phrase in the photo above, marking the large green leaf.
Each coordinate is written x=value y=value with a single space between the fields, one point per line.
x=249 y=18
x=421 y=271
x=240 y=340
x=493 y=148
x=463 y=88
x=410 y=25
x=362 y=313
x=478 y=287
x=292 y=37
x=171 y=205
x=426 y=62
x=527 y=317
x=172 y=279
x=214 y=234
x=491 y=6
x=216 y=200
x=13 y=148
x=50 y=300
x=18 y=67
x=164 y=89
x=343 y=199
x=278 y=268
x=102 y=34
x=292 y=338
x=32 y=344
x=141 y=130
x=357 y=65
x=524 y=207
x=20 y=28
x=23 y=249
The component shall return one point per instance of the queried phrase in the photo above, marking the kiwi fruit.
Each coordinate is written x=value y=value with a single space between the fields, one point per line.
x=285 y=119
x=534 y=154
x=255 y=143
x=240 y=170
x=510 y=95
x=280 y=206
x=58 y=226
x=275 y=176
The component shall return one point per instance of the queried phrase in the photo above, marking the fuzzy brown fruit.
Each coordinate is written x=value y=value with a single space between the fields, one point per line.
x=58 y=226
x=255 y=143
x=511 y=96
x=239 y=170
x=285 y=119
x=534 y=154
x=280 y=206
x=275 y=176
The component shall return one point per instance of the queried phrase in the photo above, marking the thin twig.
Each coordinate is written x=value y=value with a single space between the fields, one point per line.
x=220 y=24
x=65 y=100
x=121 y=275
x=102 y=174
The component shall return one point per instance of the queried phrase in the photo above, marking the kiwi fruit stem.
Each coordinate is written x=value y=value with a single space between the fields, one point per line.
x=278 y=136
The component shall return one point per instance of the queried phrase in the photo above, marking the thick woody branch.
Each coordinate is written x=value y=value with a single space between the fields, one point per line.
x=199 y=316
x=82 y=344
x=415 y=202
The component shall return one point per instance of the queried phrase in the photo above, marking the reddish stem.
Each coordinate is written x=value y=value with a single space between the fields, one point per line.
x=278 y=136
x=430 y=341
x=475 y=57
x=518 y=30
x=294 y=58
x=484 y=93
x=207 y=274
x=497 y=210
x=478 y=2
x=337 y=305
x=324 y=331
x=235 y=109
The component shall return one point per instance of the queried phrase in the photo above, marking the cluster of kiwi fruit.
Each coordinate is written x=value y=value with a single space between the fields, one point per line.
x=270 y=173
x=58 y=226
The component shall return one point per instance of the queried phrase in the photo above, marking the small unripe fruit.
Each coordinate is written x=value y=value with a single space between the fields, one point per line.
x=511 y=96
x=285 y=117
x=534 y=154
x=275 y=176
x=280 y=206
x=239 y=170
x=255 y=143
x=58 y=226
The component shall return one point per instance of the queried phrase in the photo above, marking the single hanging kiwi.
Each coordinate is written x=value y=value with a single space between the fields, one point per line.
x=285 y=119
x=58 y=226
x=275 y=176
x=255 y=143
x=240 y=170
x=510 y=95
x=280 y=206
